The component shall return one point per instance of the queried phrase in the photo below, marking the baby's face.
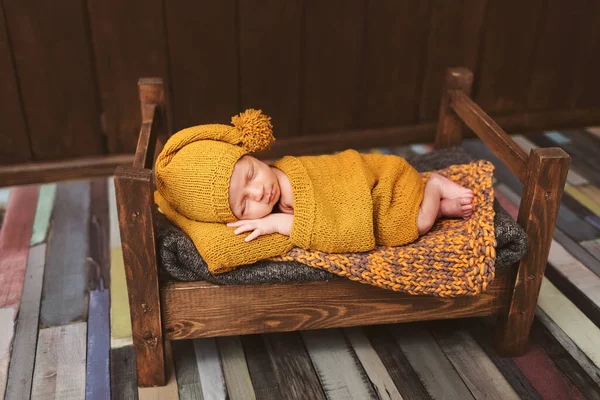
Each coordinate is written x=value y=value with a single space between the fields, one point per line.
x=253 y=189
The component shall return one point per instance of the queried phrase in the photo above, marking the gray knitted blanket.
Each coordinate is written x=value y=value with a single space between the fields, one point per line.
x=179 y=259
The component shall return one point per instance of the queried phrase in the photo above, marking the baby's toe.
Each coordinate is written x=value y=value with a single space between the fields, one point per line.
x=465 y=201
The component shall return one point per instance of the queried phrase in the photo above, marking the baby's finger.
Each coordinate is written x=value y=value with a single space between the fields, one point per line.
x=236 y=223
x=244 y=228
x=253 y=235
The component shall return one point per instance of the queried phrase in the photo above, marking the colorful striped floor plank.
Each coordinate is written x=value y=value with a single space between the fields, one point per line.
x=97 y=383
x=123 y=376
x=188 y=378
x=15 y=237
x=7 y=331
x=235 y=368
x=26 y=335
x=210 y=369
x=43 y=213
x=60 y=363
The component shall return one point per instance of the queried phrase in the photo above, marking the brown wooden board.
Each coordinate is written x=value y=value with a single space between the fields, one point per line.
x=454 y=38
x=203 y=61
x=100 y=229
x=202 y=309
x=334 y=35
x=505 y=53
x=393 y=62
x=559 y=42
x=404 y=377
x=587 y=85
x=14 y=141
x=129 y=43
x=65 y=295
x=54 y=62
x=270 y=55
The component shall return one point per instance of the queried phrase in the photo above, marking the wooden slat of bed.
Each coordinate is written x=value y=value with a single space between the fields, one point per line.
x=170 y=389
x=202 y=309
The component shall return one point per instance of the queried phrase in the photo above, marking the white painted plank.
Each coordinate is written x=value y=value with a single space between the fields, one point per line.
x=593 y=246
x=571 y=320
x=235 y=368
x=210 y=370
x=379 y=376
x=429 y=362
x=7 y=330
x=60 y=363
x=115 y=234
x=573 y=177
x=480 y=374
x=595 y=130
x=4 y=195
x=339 y=370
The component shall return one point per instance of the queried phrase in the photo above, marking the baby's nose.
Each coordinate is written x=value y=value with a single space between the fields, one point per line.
x=256 y=192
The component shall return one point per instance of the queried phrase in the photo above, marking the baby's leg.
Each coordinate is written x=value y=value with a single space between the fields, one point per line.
x=442 y=197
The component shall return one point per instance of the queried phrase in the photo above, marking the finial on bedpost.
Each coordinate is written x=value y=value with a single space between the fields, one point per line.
x=449 y=129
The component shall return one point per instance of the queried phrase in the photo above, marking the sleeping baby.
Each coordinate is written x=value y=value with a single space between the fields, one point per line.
x=238 y=209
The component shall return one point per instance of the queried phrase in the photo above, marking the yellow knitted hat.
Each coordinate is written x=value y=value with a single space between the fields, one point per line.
x=194 y=168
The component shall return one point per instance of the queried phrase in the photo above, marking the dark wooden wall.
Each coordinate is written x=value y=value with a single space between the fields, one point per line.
x=69 y=68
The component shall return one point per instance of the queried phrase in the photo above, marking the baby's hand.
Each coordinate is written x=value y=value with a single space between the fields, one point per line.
x=272 y=223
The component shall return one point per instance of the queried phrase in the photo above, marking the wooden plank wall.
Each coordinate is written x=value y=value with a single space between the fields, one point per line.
x=69 y=72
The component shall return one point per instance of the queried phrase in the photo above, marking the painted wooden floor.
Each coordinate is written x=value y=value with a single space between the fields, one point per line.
x=65 y=331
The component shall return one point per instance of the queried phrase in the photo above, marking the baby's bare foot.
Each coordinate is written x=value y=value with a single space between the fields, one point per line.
x=449 y=189
x=461 y=207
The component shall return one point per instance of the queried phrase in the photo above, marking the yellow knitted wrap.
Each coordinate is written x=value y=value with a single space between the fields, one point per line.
x=348 y=202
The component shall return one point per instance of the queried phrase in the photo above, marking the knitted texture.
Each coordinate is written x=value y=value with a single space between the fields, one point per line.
x=456 y=258
x=348 y=202
x=195 y=166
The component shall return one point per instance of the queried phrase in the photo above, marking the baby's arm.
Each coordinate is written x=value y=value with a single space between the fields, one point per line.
x=272 y=223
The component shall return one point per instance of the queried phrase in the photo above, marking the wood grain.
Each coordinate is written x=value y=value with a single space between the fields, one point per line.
x=586 y=85
x=427 y=359
x=477 y=371
x=14 y=142
x=170 y=390
x=201 y=309
x=60 y=363
x=292 y=367
x=260 y=368
x=53 y=57
x=337 y=366
x=547 y=173
x=129 y=41
x=483 y=334
x=123 y=380
x=204 y=73
x=210 y=369
x=505 y=55
x=186 y=369
x=97 y=382
x=235 y=368
x=405 y=378
x=26 y=336
x=273 y=84
x=490 y=133
x=63 y=170
x=450 y=125
x=7 y=331
x=99 y=229
x=393 y=61
x=332 y=65
x=15 y=237
x=65 y=297
x=43 y=212
x=454 y=39
x=370 y=361
x=134 y=190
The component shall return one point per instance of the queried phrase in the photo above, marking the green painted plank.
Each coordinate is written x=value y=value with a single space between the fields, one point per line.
x=43 y=213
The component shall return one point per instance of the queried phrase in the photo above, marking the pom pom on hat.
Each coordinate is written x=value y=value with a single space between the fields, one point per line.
x=255 y=129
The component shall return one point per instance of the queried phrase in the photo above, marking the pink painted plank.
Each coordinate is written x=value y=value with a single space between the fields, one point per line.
x=542 y=373
x=505 y=202
x=14 y=242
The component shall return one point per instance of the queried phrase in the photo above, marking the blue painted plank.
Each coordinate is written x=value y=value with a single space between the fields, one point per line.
x=97 y=383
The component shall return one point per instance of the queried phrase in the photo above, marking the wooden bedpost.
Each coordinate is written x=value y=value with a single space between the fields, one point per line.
x=543 y=188
x=449 y=128
x=135 y=202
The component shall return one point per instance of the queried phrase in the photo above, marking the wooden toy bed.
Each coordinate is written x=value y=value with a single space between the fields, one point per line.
x=186 y=310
